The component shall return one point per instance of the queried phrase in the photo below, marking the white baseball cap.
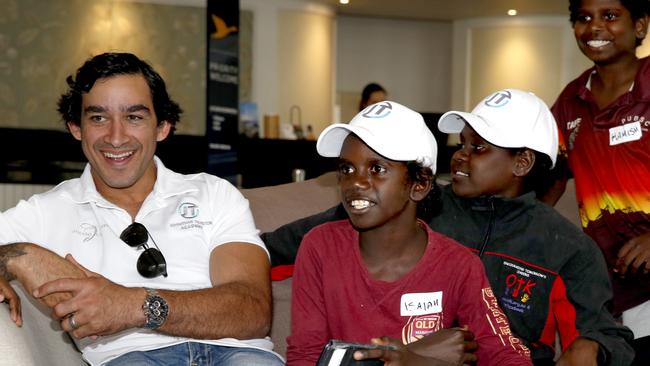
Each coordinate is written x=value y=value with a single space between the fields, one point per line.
x=509 y=118
x=390 y=129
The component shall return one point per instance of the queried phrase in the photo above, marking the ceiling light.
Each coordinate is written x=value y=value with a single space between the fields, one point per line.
x=344 y=2
x=512 y=12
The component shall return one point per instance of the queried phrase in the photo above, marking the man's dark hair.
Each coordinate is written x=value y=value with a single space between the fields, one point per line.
x=107 y=65
x=365 y=93
x=430 y=205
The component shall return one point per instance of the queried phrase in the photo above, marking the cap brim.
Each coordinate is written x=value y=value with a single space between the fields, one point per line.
x=331 y=140
x=453 y=121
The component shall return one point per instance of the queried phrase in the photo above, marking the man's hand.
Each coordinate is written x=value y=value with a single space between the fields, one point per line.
x=634 y=256
x=33 y=265
x=582 y=352
x=453 y=346
x=8 y=295
x=99 y=306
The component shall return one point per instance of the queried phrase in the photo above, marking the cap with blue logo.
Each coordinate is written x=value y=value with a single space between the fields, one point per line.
x=390 y=129
x=509 y=118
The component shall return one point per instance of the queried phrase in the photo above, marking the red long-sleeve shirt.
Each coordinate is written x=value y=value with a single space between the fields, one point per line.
x=335 y=298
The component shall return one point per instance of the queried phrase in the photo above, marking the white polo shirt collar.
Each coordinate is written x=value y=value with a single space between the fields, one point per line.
x=168 y=184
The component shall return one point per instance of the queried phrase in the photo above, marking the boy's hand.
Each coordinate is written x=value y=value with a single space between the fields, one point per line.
x=634 y=256
x=9 y=296
x=454 y=346
x=399 y=356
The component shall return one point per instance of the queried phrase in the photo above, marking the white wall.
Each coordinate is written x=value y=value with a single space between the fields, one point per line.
x=305 y=68
x=411 y=59
x=533 y=53
x=273 y=45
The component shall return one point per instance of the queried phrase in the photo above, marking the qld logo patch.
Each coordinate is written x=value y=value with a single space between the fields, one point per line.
x=419 y=326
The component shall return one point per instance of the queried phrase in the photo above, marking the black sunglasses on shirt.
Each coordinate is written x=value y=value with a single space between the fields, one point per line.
x=151 y=262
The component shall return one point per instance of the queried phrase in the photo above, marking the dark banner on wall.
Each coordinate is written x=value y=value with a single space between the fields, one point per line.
x=222 y=116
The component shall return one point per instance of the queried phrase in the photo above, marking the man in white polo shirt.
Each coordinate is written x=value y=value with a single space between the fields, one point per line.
x=160 y=267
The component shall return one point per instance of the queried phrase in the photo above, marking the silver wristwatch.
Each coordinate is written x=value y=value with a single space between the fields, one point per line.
x=155 y=309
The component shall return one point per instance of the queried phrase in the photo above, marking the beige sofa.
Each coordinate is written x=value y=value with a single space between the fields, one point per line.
x=41 y=342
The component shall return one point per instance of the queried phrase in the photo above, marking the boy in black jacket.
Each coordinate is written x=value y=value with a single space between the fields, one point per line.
x=548 y=276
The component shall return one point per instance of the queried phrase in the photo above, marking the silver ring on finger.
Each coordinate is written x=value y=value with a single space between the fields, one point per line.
x=73 y=323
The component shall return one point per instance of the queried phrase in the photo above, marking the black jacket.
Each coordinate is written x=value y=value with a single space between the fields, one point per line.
x=541 y=267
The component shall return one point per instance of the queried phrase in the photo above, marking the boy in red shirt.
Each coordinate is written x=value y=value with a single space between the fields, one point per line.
x=384 y=272
x=603 y=117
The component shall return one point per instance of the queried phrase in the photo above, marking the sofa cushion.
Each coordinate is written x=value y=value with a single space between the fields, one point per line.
x=40 y=341
x=275 y=206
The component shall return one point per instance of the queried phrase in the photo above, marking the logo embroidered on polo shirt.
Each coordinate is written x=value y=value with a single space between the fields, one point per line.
x=188 y=210
x=86 y=230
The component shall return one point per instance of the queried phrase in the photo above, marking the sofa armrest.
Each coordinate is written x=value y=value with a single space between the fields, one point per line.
x=40 y=341
x=281 y=327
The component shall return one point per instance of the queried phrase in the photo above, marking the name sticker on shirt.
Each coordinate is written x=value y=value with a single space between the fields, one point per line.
x=421 y=303
x=625 y=133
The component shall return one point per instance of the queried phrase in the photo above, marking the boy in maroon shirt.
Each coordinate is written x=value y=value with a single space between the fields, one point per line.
x=603 y=117
x=384 y=272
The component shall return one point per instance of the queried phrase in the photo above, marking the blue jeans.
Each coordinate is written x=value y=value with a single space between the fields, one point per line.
x=198 y=354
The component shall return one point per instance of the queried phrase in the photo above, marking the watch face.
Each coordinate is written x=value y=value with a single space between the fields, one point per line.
x=155 y=311
x=155 y=308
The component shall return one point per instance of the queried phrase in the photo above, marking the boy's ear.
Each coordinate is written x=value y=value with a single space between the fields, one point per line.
x=420 y=189
x=524 y=161
x=641 y=27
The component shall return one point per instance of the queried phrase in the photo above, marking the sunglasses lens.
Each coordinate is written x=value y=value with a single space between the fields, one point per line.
x=152 y=263
x=135 y=235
